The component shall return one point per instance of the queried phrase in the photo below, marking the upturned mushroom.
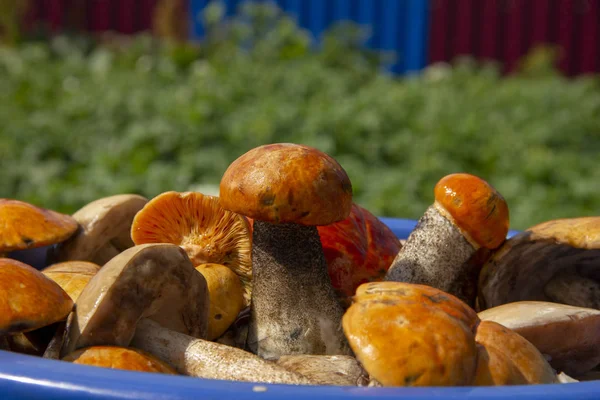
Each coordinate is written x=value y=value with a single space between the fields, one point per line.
x=119 y=358
x=468 y=214
x=327 y=370
x=569 y=335
x=288 y=190
x=208 y=233
x=155 y=281
x=104 y=231
x=556 y=261
x=414 y=335
x=72 y=276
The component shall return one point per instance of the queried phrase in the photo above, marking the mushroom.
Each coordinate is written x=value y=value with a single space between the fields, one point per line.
x=557 y=261
x=210 y=360
x=198 y=223
x=358 y=249
x=569 y=335
x=327 y=370
x=415 y=335
x=72 y=276
x=119 y=358
x=25 y=226
x=104 y=230
x=288 y=190
x=28 y=299
x=468 y=214
x=155 y=281
x=226 y=297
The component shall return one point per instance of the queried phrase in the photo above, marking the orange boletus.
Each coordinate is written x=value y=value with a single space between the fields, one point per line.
x=25 y=226
x=119 y=358
x=288 y=190
x=414 y=335
x=556 y=261
x=468 y=215
x=202 y=227
x=28 y=299
x=358 y=249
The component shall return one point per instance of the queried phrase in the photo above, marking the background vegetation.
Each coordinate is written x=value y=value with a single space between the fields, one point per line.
x=82 y=118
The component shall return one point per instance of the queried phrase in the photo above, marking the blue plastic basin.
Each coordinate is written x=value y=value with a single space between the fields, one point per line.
x=27 y=377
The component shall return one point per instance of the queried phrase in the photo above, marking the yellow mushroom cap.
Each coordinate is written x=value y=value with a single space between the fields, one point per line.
x=119 y=358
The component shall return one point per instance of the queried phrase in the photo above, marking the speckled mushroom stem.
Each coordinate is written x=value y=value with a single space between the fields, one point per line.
x=436 y=254
x=209 y=360
x=294 y=306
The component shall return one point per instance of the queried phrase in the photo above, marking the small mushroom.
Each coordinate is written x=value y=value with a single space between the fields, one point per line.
x=358 y=249
x=557 y=261
x=327 y=370
x=155 y=281
x=226 y=297
x=72 y=276
x=25 y=227
x=414 y=335
x=288 y=190
x=28 y=299
x=468 y=214
x=569 y=335
x=509 y=359
x=104 y=232
x=209 y=360
x=119 y=358
x=198 y=223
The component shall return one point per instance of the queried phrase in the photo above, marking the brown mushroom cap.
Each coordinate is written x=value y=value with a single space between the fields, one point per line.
x=569 y=335
x=72 y=276
x=28 y=299
x=509 y=352
x=226 y=297
x=155 y=281
x=119 y=358
x=408 y=343
x=476 y=207
x=196 y=222
x=287 y=183
x=25 y=226
x=105 y=229
x=556 y=261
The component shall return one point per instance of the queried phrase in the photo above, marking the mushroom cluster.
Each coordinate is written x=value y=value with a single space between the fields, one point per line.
x=282 y=278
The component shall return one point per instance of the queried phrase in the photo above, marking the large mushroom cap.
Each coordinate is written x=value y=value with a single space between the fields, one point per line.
x=155 y=281
x=119 y=358
x=28 y=299
x=196 y=222
x=557 y=261
x=105 y=229
x=569 y=335
x=477 y=208
x=287 y=183
x=72 y=276
x=25 y=226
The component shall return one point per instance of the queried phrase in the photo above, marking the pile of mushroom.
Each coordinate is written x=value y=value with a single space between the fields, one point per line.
x=283 y=279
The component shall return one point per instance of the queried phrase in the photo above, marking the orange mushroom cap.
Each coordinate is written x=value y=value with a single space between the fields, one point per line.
x=197 y=223
x=25 y=226
x=287 y=183
x=475 y=206
x=28 y=299
x=119 y=358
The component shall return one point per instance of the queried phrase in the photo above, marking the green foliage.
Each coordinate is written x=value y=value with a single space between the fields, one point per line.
x=81 y=121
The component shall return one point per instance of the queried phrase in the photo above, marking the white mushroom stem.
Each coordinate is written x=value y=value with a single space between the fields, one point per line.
x=436 y=254
x=210 y=360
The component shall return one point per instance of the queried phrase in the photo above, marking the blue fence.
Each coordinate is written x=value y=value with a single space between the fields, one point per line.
x=396 y=25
